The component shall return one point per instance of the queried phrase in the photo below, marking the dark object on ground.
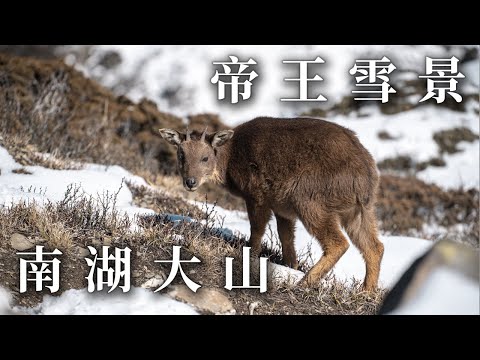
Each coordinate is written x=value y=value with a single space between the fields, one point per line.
x=394 y=297
x=460 y=260
x=385 y=135
x=177 y=220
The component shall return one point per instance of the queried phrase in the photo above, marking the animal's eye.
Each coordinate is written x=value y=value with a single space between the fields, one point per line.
x=205 y=159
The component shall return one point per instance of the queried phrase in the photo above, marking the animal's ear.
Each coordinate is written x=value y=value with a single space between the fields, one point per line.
x=172 y=136
x=221 y=137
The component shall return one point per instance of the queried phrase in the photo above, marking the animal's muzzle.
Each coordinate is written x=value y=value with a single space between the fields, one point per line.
x=191 y=183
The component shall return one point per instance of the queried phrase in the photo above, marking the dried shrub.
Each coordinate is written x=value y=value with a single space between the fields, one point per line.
x=447 y=140
x=79 y=221
x=406 y=204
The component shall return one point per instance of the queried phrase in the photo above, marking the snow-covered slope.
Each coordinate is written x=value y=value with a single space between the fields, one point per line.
x=43 y=183
x=5 y=301
x=413 y=132
x=177 y=78
x=137 y=302
x=155 y=70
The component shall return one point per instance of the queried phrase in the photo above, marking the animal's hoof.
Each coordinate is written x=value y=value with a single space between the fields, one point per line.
x=369 y=288
x=293 y=265
x=305 y=283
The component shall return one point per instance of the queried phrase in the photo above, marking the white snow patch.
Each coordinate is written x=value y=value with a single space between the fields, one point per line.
x=136 y=302
x=445 y=292
x=186 y=70
x=471 y=70
x=462 y=169
x=48 y=184
x=5 y=300
x=413 y=129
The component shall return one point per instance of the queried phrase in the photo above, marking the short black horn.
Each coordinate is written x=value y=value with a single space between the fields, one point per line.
x=204 y=133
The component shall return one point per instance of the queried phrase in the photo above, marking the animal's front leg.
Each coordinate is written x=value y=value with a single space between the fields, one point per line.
x=259 y=217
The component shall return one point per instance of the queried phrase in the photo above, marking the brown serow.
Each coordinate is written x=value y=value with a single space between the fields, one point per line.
x=302 y=168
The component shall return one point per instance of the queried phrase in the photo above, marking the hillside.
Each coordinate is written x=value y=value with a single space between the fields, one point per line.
x=82 y=166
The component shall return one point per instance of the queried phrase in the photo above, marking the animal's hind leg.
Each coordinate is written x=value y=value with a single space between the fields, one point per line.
x=286 y=233
x=326 y=228
x=362 y=230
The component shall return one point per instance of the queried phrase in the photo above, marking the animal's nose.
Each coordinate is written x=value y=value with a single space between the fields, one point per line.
x=191 y=182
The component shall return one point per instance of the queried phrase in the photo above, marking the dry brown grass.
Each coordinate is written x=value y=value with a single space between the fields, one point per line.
x=447 y=140
x=162 y=202
x=80 y=221
x=329 y=298
x=46 y=107
x=405 y=165
x=61 y=224
x=59 y=111
x=405 y=204
x=22 y=171
x=50 y=230
x=199 y=121
x=212 y=192
x=28 y=154
x=385 y=135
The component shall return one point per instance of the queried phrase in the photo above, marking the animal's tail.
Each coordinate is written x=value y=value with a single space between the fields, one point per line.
x=361 y=227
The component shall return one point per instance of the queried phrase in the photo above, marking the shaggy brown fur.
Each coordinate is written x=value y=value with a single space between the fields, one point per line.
x=307 y=169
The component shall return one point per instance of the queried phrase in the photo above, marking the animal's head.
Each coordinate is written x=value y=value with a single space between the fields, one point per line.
x=196 y=155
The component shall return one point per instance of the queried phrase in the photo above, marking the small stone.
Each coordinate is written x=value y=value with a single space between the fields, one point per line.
x=253 y=306
x=149 y=274
x=107 y=240
x=154 y=282
x=206 y=300
x=81 y=252
x=283 y=275
x=20 y=242
x=136 y=273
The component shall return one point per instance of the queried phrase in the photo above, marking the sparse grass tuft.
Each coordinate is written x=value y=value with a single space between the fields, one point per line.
x=406 y=205
x=447 y=140
x=79 y=220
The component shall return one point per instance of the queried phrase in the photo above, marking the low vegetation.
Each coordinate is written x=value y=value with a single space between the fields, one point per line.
x=79 y=221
